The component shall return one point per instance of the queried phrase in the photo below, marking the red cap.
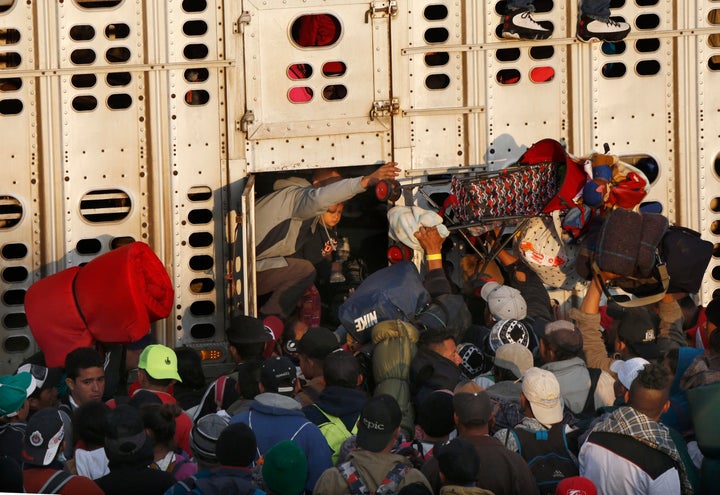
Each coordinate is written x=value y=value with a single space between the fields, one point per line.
x=274 y=326
x=576 y=485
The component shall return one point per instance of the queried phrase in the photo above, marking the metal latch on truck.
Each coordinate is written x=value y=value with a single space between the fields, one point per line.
x=385 y=108
x=381 y=9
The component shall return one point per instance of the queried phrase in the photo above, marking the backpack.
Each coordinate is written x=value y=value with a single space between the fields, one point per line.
x=389 y=485
x=548 y=455
x=335 y=432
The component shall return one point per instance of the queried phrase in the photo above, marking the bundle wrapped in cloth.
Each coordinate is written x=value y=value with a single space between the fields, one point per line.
x=113 y=298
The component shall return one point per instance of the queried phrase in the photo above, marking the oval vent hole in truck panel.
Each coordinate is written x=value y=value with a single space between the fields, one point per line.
x=11 y=212
x=105 y=205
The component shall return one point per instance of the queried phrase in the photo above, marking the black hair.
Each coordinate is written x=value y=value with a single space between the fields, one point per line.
x=714 y=341
x=189 y=364
x=458 y=461
x=502 y=375
x=433 y=337
x=160 y=420
x=247 y=351
x=650 y=389
x=653 y=377
x=341 y=369
x=89 y=423
x=158 y=382
x=82 y=358
x=562 y=354
x=671 y=359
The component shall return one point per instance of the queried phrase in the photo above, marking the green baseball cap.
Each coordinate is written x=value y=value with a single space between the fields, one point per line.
x=160 y=362
x=14 y=389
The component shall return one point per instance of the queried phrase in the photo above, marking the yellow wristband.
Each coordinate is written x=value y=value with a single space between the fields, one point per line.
x=433 y=257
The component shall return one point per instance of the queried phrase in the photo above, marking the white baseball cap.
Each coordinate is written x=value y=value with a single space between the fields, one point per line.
x=542 y=390
x=628 y=370
x=504 y=302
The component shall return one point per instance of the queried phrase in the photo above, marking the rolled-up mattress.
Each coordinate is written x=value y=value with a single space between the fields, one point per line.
x=121 y=292
x=53 y=317
x=113 y=298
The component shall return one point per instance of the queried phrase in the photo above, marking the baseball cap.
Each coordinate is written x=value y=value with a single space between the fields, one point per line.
x=472 y=406
x=276 y=373
x=637 y=329
x=504 y=302
x=576 y=485
x=317 y=343
x=246 y=330
x=542 y=390
x=514 y=357
x=44 y=377
x=14 y=390
x=379 y=418
x=506 y=332
x=43 y=436
x=628 y=370
x=160 y=362
x=274 y=327
x=562 y=334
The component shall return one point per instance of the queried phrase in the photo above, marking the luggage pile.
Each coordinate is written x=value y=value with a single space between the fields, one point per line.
x=575 y=217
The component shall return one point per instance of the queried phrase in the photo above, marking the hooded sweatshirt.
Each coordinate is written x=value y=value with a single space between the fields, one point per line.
x=345 y=403
x=275 y=418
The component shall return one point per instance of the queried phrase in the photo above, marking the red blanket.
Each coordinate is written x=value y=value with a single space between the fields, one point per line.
x=113 y=298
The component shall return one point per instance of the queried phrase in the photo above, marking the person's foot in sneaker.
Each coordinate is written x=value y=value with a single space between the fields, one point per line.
x=592 y=29
x=519 y=24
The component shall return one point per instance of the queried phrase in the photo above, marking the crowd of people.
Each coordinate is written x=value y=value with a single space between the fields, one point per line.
x=498 y=396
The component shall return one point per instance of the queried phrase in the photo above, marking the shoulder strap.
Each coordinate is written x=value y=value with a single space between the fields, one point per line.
x=638 y=301
x=350 y=474
x=220 y=391
x=589 y=407
x=55 y=482
x=393 y=479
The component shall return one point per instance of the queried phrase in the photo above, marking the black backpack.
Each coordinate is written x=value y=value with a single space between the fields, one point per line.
x=548 y=455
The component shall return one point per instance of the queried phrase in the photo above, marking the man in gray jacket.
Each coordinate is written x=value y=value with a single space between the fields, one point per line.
x=286 y=218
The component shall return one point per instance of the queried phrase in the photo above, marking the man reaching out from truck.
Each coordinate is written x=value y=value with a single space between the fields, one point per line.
x=286 y=218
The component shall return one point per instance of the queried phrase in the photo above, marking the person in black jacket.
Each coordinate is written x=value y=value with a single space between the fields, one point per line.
x=341 y=397
x=129 y=452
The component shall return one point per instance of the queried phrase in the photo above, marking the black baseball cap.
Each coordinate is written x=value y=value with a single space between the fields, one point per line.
x=379 y=418
x=638 y=329
x=278 y=374
x=247 y=330
x=317 y=343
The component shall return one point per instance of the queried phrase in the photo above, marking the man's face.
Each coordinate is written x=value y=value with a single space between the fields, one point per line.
x=333 y=215
x=48 y=397
x=448 y=350
x=306 y=366
x=88 y=386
